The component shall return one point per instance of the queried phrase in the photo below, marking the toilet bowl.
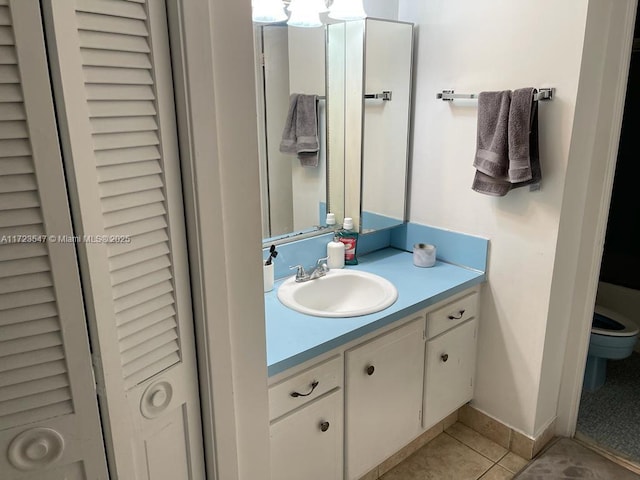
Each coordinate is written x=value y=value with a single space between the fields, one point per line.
x=613 y=337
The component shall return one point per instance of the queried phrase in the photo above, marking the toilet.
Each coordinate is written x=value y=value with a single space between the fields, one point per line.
x=613 y=336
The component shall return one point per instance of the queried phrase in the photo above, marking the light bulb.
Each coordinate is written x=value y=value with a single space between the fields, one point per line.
x=304 y=13
x=268 y=11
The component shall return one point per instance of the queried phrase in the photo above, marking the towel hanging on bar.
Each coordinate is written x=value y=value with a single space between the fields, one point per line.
x=450 y=95
x=507 y=150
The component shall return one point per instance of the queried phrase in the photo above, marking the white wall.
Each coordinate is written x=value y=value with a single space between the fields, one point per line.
x=387 y=9
x=474 y=46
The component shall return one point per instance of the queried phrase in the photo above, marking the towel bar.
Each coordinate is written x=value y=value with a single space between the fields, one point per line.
x=449 y=95
x=385 y=95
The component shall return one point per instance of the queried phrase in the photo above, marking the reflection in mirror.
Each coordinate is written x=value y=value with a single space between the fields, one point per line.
x=368 y=58
x=388 y=57
x=289 y=61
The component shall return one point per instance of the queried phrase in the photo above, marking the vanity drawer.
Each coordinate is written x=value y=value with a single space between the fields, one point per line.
x=304 y=386
x=452 y=314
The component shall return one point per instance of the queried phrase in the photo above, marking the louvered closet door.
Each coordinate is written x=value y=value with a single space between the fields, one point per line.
x=49 y=423
x=116 y=110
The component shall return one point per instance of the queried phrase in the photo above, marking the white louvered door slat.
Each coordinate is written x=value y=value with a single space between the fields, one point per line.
x=49 y=423
x=109 y=41
x=32 y=344
x=12 y=111
x=120 y=142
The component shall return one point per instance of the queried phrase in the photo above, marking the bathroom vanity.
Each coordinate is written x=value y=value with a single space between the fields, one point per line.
x=347 y=393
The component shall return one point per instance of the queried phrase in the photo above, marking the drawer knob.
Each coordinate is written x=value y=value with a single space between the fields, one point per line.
x=458 y=316
x=370 y=369
x=314 y=384
x=444 y=357
x=324 y=426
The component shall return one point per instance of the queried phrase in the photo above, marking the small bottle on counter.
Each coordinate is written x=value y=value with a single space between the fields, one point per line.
x=331 y=221
x=335 y=253
x=350 y=239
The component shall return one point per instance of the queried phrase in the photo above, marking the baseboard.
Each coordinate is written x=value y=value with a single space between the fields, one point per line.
x=489 y=427
x=503 y=435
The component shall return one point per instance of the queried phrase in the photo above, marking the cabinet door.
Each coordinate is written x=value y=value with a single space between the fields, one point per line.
x=308 y=443
x=383 y=396
x=450 y=366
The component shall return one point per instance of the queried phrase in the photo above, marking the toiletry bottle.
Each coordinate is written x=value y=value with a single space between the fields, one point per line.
x=331 y=221
x=335 y=253
x=350 y=239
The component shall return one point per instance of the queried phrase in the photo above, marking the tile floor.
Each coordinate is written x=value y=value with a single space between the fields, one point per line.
x=458 y=453
x=566 y=458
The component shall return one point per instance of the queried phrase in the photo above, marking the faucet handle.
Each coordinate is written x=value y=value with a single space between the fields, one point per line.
x=300 y=273
x=322 y=264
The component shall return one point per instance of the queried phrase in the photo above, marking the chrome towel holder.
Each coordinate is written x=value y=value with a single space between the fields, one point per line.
x=450 y=95
x=385 y=95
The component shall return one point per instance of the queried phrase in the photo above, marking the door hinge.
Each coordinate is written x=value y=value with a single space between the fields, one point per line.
x=261 y=59
x=98 y=376
x=420 y=415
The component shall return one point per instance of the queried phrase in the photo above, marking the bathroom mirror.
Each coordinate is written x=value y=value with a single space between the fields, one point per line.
x=289 y=60
x=362 y=71
x=369 y=70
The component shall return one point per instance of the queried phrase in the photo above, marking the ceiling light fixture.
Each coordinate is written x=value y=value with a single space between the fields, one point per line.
x=347 y=10
x=268 y=11
x=304 y=13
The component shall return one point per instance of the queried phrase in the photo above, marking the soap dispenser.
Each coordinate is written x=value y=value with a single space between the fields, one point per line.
x=335 y=253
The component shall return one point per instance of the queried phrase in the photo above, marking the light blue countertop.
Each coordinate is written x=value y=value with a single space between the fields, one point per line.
x=293 y=338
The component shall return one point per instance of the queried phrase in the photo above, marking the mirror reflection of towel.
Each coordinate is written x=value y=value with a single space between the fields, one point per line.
x=300 y=134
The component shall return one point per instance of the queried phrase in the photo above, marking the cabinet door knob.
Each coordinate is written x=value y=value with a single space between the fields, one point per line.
x=458 y=316
x=370 y=369
x=324 y=426
x=313 y=387
x=444 y=357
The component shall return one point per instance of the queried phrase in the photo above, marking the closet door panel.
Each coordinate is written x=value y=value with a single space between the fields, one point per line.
x=114 y=92
x=49 y=423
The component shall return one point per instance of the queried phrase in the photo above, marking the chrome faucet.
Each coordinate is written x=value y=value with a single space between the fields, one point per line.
x=320 y=270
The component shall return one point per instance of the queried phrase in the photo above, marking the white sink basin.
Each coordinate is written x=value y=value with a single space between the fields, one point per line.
x=340 y=293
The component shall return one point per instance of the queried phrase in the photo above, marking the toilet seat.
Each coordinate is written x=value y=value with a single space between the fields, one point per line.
x=630 y=328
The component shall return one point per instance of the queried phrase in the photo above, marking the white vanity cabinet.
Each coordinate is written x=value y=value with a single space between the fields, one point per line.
x=306 y=427
x=360 y=403
x=450 y=358
x=383 y=396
